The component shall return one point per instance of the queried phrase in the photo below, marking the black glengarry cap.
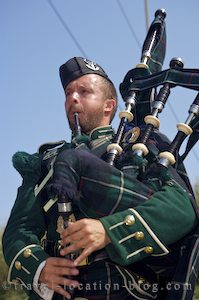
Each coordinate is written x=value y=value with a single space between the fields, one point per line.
x=77 y=67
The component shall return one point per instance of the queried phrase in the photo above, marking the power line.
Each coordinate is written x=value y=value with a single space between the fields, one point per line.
x=130 y=27
x=146 y=14
x=67 y=28
x=129 y=24
x=69 y=32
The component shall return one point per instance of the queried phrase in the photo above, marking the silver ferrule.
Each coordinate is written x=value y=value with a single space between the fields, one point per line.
x=130 y=99
x=164 y=162
x=113 y=151
x=138 y=152
x=194 y=108
x=64 y=207
x=145 y=56
x=190 y=118
x=158 y=105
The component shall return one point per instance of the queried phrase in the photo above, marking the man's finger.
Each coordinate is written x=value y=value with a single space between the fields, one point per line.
x=75 y=246
x=60 y=290
x=85 y=253
x=60 y=262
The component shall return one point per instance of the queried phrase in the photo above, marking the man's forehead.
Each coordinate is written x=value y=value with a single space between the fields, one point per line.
x=89 y=80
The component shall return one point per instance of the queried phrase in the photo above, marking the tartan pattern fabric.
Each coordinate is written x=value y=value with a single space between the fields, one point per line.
x=157 y=55
x=187 y=78
x=112 y=282
x=143 y=99
x=76 y=178
x=186 y=273
x=80 y=170
x=76 y=170
x=155 y=59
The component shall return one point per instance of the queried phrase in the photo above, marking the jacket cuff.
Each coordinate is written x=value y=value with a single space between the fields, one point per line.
x=131 y=238
x=24 y=265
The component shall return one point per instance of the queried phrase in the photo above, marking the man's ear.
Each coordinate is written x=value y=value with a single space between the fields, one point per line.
x=109 y=105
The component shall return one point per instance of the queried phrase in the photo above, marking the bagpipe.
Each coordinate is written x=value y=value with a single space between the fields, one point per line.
x=75 y=173
x=101 y=187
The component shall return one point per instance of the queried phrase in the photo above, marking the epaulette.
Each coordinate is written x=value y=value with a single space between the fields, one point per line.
x=50 y=146
x=49 y=152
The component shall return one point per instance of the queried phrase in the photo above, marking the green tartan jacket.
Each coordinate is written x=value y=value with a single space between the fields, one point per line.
x=136 y=233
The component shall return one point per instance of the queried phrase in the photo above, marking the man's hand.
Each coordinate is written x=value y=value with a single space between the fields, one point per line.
x=86 y=234
x=55 y=272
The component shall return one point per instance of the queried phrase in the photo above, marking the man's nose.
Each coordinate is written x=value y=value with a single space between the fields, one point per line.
x=75 y=97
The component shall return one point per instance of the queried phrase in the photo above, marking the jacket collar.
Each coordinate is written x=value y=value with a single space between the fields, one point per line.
x=101 y=132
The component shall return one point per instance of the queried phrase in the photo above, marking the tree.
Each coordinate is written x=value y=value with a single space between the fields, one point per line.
x=196 y=189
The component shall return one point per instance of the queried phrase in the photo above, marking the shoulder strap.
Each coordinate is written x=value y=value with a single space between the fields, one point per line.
x=49 y=153
x=49 y=146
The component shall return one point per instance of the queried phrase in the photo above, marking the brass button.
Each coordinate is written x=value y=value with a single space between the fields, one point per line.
x=27 y=253
x=141 y=280
x=129 y=220
x=139 y=235
x=18 y=265
x=148 y=250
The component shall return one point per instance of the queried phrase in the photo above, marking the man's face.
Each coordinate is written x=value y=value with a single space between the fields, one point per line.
x=85 y=96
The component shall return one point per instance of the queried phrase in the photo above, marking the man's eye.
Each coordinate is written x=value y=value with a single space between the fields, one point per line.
x=84 y=91
x=67 y=93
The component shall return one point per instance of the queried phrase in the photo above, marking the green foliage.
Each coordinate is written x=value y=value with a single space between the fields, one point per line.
x=196 y=294
x=196 y=190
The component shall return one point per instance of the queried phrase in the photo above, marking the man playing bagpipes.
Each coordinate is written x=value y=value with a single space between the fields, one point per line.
x=129 y=222
x=140 y=198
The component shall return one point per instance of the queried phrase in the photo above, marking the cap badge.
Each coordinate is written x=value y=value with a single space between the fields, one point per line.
x=91 y=65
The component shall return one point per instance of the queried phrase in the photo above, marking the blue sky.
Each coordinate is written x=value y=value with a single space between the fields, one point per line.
x=34 y=43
